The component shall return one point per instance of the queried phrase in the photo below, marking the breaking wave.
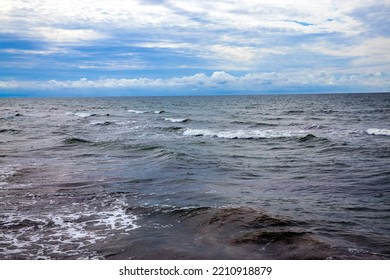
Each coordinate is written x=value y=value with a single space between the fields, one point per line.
x=136 y=111
x=243 y=134
x=71 y=231
x=176 y=120
x=6 y=172
x=80 y=114
x=102 y=123
x=378 y=131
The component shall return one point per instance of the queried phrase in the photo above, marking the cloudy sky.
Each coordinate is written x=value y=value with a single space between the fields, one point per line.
x=194 y=46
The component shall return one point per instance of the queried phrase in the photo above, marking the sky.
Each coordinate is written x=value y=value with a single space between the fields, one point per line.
x=168 y=47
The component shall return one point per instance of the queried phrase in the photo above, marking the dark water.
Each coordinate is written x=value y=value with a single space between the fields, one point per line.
x=239 y=177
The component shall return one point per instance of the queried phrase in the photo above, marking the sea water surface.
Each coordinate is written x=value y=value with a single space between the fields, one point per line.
x=217 y=177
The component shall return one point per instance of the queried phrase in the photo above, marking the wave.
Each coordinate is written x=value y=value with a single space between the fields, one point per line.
x=11 y=116
x=176 y=120
x=271 y=236
x=84 y=115
x=266 y=238
x=75 y=141
x=159 y=112
x=6 y=172
x=260 y=124
x=243 y=134
x=80 y=114
x=10 y=131
x=237 y=227
x=65 y=228
x=171 y=128
x=367 y=209
x=378 y=131
x=136 y=111
x=239 y=218
x=103 y=123
x=254 y=124
x=295 y=112
x=307 y=137
x=317 y=126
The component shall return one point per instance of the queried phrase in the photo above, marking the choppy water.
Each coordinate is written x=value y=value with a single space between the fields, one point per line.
x=234 y=177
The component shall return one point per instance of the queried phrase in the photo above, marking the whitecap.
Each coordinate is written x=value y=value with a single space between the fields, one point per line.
x=242 y=134
x=80 y=114
x=6 y=172
x=176 y=120
x=136 y=111
x=83 y=114
x=378 y=131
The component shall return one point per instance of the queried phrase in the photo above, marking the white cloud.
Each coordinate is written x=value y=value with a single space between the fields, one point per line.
x=278 y=15
x=282 y=15
x=59 y=35
x=100 y=14
x=219 y=79
x=164 y=45
x=371 y=51
x=243 y=54
x=35 y=52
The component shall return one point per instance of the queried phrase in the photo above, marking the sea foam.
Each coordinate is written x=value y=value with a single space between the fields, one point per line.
x=242 y=134
x=5 y=173
x=80 y=114
x=176 y=120
x=378 y=131
x=136 y=111
x=70 y=230
x=101 y=123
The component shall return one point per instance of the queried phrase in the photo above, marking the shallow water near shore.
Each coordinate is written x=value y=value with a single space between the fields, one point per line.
x=212 y=177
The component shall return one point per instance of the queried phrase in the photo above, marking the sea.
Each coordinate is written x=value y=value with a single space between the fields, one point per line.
x=196 y=177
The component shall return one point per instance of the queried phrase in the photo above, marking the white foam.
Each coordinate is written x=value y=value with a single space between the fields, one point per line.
x=68 y=230
x=79 y=114
x=175 y=120
x=378 y=131
x=100 y=123
x=5 y=173
x=242 y=134
x=126 y=122
x=82 y=114
x=136 y=111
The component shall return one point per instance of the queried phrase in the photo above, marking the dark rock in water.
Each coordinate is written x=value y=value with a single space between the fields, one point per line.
x=307 y=137
x=18 y=115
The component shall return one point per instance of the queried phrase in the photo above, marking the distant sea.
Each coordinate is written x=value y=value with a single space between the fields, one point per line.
x=211 y=177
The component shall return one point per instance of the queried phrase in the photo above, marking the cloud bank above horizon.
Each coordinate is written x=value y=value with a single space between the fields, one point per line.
x=195 y=45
